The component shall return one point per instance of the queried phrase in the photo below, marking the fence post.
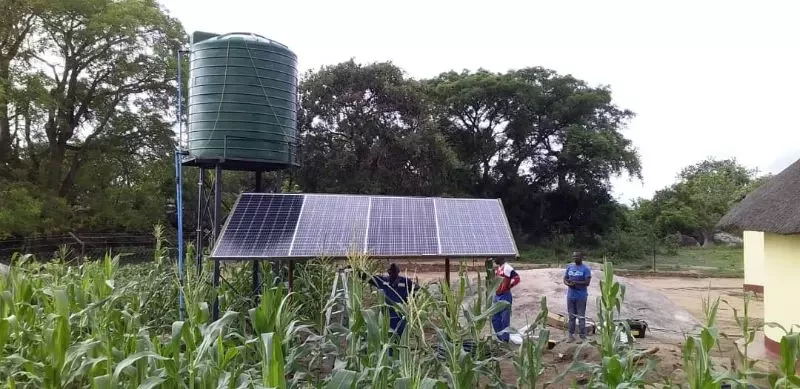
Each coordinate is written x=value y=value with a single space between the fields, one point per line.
x=80 y=242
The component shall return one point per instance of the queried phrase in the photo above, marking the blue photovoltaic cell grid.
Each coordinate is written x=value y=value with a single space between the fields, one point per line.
x=473 y=227
x=331 y=226
x=401 y=226
x=307 y=226
x=260 y=226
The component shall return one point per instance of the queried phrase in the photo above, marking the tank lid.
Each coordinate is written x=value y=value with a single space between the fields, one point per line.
x=200 y=36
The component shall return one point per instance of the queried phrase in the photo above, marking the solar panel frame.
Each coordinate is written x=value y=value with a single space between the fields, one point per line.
x=306 y=243
x=472 y=244
x=440 y=251
x=226 y=228
x=386 y=239
x=508 y=227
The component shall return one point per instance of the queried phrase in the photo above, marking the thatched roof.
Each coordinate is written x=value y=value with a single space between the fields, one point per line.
x=773 y=207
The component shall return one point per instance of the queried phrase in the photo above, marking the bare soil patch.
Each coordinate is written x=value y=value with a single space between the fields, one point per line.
x=672 y=306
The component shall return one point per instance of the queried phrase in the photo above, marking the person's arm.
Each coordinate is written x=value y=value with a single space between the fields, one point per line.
x=511 y=274
x=567 y=282
x=514 y=279
x=588 y=277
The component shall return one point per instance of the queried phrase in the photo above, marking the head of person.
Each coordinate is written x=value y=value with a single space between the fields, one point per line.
x=393 y=271
x=499 y=261
x=578 y=256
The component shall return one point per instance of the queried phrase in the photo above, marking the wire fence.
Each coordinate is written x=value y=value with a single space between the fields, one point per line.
x=137 y=247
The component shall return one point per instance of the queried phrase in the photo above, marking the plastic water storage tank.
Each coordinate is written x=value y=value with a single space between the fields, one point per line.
x=242 y=99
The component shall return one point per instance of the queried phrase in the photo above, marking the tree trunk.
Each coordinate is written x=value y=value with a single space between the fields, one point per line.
x=485 y=184
x=708 y=237
x=55 y=164
x=5 y=123
x=68 y=184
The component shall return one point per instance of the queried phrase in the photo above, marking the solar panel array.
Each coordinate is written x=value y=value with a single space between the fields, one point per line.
x=288 y=226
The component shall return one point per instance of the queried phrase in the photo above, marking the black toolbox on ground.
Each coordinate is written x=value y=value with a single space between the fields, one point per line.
x=638 y=327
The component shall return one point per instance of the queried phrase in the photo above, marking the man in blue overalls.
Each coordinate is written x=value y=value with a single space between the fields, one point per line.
x=577 y=278
x=508 y=279
x=396 y=289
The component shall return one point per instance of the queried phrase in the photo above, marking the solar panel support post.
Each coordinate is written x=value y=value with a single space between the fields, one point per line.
x=256 y=263
x=217 y=227
x=291 y=275
x=447 y=270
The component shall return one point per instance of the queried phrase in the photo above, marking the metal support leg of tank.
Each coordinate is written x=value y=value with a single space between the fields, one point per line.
x=256 y=264
x=201 y=207
x=278 y=182
x=217 y=228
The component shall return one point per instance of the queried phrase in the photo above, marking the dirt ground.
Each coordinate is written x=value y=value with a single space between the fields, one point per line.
x=678 y=294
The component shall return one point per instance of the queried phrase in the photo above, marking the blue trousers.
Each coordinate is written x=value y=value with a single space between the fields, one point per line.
x=577 y=312
x=502 y=320
x=397 y=323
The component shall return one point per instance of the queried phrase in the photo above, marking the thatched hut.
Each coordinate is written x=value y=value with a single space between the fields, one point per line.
x=774 y=209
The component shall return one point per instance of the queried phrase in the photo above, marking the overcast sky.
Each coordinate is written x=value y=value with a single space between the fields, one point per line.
x=705 y=78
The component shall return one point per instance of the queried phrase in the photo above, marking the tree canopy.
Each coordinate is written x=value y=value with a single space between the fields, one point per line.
x=87 y=97
x=703 y=193
x=546 y=144
x=86 y=112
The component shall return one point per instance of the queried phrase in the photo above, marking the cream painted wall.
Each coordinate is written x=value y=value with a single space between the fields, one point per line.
x=754 y=258
x=781 y=283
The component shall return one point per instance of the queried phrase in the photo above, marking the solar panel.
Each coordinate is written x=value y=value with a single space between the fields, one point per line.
x=402 y=226
x=331 y=226
x=307 y=226
x=469 y=227
x=260 y=225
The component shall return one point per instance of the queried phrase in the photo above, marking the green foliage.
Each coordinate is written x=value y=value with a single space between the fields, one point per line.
x=365 y=131
x=90 y=98
x=315 y=279
x=86 y=326
x=528 y=361
x=700 y=370
x=785 y=376
x=20 y=215
x=703 y=194
x=27 y=211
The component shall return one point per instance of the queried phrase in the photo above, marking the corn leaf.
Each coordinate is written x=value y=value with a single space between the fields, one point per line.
x=152 y=382
x=342 y=379
x=132 y=359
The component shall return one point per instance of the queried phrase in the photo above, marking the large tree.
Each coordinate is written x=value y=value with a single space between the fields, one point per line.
x=86 y=110
x=17 y=22
x=110 y=79
x=544 y=142
x=365 y=130
x=703 y=193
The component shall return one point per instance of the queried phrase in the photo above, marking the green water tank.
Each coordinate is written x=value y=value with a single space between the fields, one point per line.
x=242 y=100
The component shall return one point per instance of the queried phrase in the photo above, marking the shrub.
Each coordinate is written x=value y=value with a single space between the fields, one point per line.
x=622 y=245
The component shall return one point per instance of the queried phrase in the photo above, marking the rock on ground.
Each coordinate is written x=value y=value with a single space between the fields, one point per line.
x=728 y=239
x=666 y=319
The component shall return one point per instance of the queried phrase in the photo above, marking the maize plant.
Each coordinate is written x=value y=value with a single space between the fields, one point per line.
x=620 y=364
x=99 y=325
x=528 y=360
